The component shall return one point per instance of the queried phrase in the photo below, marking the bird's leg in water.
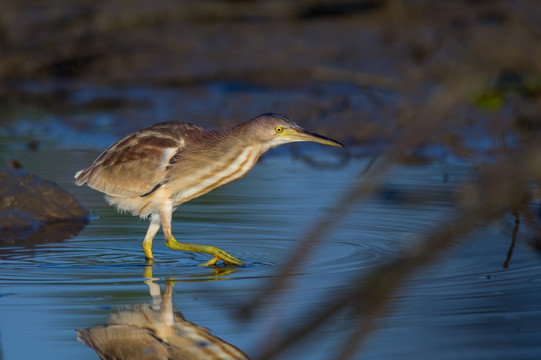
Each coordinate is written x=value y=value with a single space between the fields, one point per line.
x=151 y=232
x=175 y=245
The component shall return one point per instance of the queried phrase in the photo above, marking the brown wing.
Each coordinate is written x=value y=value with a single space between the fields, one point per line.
x=136 y=165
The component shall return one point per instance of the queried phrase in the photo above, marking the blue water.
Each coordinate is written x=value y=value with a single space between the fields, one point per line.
x=462 y=305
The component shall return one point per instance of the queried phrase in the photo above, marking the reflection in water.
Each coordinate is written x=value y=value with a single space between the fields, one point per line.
x=155 y=331
x=30 y=238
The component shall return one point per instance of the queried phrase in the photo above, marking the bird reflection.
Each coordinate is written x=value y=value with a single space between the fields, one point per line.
x=155 y=331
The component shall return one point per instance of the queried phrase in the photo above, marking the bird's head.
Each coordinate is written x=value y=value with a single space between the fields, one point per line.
x=275 y=129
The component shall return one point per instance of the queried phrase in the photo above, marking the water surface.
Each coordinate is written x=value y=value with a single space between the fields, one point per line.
x=463 y=305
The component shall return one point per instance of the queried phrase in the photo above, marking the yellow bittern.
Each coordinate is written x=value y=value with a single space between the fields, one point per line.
x=152 y=171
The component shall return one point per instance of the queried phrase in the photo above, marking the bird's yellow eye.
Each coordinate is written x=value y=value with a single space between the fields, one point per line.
x=279 y=129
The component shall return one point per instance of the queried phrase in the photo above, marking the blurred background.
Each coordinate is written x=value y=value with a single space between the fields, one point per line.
x=438 y=102
x=355 y=69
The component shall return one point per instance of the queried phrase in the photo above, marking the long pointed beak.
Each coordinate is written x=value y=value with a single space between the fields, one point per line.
x=299 y=134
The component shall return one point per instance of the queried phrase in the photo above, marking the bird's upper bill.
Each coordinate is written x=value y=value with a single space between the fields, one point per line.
x=299 y=134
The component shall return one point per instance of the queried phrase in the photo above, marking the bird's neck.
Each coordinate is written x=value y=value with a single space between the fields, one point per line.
x=245 y=137
x=234 y=141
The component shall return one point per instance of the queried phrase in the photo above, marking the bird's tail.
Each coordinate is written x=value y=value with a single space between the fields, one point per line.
x=81 y=177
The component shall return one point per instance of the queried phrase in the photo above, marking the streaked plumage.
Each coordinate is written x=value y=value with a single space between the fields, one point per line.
x=152 y=171
x=145 y=332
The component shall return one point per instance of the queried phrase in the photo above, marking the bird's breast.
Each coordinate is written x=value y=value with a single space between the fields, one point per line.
x=211 y=177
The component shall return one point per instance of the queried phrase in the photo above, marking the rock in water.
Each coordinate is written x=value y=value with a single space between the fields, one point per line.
x=29 y=202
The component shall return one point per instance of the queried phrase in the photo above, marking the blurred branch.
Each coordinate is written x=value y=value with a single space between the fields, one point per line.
x=513 y=240
x=310 y=241
x=370 y=295
x=367 y=183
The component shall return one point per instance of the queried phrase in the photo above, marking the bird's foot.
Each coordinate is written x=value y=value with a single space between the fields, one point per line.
x=212 y=261
x=217 y=254
x=222 y=255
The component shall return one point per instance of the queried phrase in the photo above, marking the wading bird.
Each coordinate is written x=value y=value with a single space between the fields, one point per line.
x=152 y=171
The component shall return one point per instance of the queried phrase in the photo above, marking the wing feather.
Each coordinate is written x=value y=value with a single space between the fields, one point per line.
x=137 y=164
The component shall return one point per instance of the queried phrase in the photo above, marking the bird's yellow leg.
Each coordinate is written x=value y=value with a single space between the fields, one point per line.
x=147 y=247
x=214 y=251
x=151 y=232
x=165 y=215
